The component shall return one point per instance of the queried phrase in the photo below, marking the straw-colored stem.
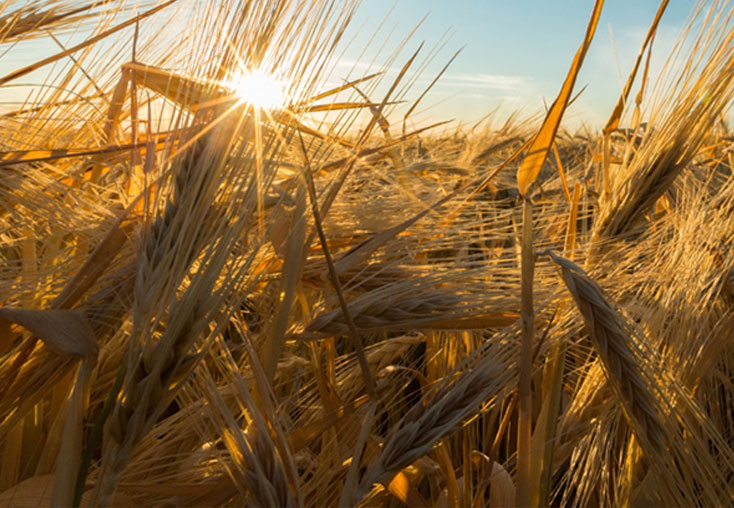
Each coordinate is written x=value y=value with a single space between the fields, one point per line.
x=525 y=401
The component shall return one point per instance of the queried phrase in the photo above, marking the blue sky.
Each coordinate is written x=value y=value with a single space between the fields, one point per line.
x=517 y=52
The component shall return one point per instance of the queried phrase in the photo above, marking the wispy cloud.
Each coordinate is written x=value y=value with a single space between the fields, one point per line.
x=457 y=81
x=364 y=66
x=488 y=81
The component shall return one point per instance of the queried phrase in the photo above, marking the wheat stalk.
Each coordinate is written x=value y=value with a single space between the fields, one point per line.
x=436 y=416
x=644 y=401
x=613 y=345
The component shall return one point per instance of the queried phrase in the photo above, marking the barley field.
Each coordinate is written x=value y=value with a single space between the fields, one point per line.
x=225 y=283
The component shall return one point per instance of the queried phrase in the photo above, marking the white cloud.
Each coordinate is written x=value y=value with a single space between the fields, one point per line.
x=457 y=81
x=364 y=66
x=492 y=81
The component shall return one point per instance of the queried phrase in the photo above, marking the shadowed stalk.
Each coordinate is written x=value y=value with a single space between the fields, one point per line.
x=354 y=335
x=525 y=402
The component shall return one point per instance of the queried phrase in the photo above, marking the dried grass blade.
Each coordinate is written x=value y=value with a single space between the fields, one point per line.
x=533 y=162
x=28 y=156
x=287 y=118
x=292 y=267
x=363 y=251
x=341 y=88
x=561 y=171
x=70 y=454
x=350 y=484
x=49 y=105
x=65 y=331
x=94 y=266
x=37 y=65
x=569 y=243
x=18 y=25
x=544 y=437
x=428 y=89
x=613 y=122
x=179 y=89
x=378 y=112
x=384 y=125
x=337 y=106
x=356 y=341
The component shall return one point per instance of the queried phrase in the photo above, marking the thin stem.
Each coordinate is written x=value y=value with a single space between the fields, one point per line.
x=357 y=343
x=525 y=406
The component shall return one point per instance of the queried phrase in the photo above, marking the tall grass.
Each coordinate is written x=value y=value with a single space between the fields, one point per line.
x=208 y=303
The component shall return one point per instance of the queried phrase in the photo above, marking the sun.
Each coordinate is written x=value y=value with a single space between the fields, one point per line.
x=258 y=89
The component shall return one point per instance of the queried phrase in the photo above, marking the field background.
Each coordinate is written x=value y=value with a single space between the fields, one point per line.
x=335 y=301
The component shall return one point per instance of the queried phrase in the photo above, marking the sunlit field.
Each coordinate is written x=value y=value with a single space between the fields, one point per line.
x=232 y=276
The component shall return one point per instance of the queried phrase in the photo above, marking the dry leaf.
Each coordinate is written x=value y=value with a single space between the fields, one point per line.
x=35 y=492
x=501 y=487
x=533 y=162
x=65 y=331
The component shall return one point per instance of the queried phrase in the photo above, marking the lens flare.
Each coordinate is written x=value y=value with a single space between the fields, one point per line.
x=259 y=89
